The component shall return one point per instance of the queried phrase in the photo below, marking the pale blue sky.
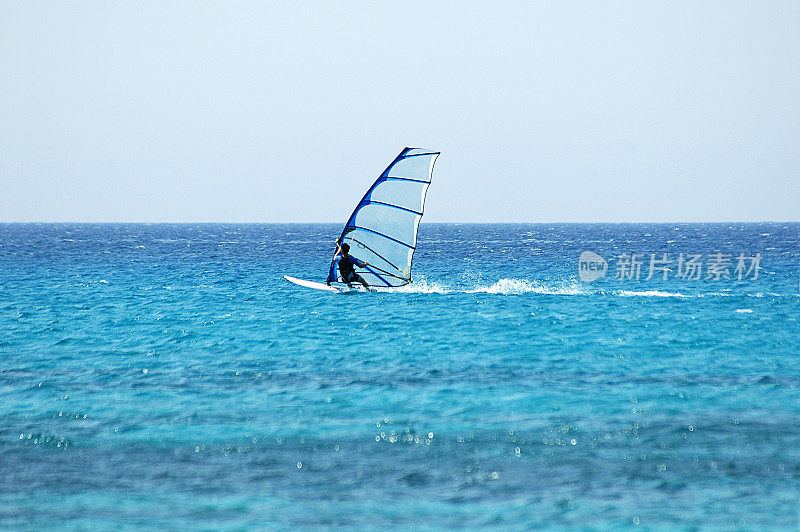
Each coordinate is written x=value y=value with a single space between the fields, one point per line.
x=287 y=111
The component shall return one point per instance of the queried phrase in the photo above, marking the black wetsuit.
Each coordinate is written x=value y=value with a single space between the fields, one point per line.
x=347 y=268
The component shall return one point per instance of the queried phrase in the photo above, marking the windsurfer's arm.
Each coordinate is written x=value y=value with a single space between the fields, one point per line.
x=333 y=265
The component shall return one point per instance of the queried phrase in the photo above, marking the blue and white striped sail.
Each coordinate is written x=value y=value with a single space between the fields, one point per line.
x=383 y=228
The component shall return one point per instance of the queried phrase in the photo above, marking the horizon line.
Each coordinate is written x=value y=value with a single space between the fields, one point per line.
x=618 y=222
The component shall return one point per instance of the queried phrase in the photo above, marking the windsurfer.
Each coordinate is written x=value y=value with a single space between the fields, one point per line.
x=347 y=264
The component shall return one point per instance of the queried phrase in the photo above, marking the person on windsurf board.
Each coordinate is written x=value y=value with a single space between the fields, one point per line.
x=347 y=264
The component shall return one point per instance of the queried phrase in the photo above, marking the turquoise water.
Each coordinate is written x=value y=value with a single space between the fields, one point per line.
x=167 y=376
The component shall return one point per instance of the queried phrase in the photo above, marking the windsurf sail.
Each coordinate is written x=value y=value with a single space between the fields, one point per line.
x=383 y=227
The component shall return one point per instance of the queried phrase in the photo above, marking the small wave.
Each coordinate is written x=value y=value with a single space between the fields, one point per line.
x=566 y=287
x=501 y=287
x=650 y=293
x=744 y=311
x=420 y=286
x=523 y=286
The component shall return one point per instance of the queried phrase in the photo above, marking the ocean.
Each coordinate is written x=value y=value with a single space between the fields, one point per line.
x=167 y=376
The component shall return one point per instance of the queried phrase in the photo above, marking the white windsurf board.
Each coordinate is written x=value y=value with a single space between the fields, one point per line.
x=321 y=286
x=311 y=284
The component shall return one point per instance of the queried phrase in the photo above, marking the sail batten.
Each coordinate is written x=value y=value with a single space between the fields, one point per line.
x=405 y=179
x=382 y=230
x=395 y=207
x=385 y=236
